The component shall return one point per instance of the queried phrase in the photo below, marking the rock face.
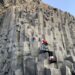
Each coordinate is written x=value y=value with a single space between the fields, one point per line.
x=23 y=26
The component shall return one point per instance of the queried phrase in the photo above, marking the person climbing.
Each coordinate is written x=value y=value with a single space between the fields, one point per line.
x=44 y=49
x=44 y=45
x=33 y=39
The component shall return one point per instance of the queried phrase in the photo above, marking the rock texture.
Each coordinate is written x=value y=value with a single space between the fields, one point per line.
x=23 y=25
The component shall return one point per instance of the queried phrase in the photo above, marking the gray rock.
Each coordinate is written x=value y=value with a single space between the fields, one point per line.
x=20 y=21
x=47 y=72
x=30 y=66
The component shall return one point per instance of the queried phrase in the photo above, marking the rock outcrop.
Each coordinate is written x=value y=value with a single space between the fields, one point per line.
x=24 y=24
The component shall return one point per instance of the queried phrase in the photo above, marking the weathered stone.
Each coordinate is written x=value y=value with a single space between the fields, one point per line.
x=47 y=72
x=69 y=64
x=24 y=24
x=65 y=70
x=30 y=66
x=55 y=71
x=68 y=71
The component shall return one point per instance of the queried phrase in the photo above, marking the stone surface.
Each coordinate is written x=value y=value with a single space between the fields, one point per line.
x=23 y=26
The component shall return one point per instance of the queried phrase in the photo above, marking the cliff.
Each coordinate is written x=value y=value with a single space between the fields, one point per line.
x=36 y=39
